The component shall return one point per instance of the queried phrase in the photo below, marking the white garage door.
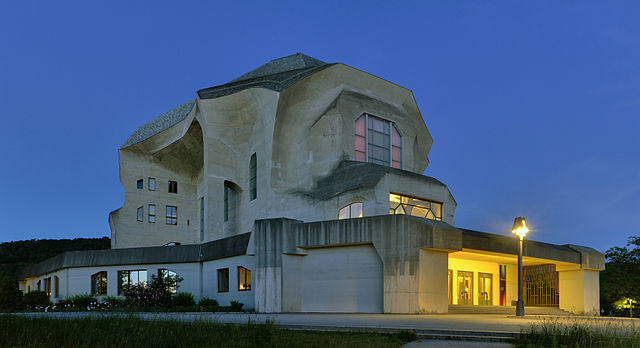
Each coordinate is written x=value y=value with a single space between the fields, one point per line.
x=342 y=279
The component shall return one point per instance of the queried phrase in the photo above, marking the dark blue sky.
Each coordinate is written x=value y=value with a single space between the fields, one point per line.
x=534 y=107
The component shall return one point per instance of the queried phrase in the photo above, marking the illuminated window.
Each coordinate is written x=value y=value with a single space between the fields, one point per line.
x=173 y=186
x=223 y=280
x=47 y=286
x=399 y=204
x=152 y=184
x=253 y=175
x=152 y=213
x=99 y=284
x=140 y=184
x=378 y=141
x=128 y=278
x=172 y=215
x=353 y=210
x=244 y=279
x=140 y=213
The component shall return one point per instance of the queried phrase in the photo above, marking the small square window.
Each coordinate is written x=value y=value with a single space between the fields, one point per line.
x=173 y=186
x=152 y=213
x=152 y=184
x=140 y=184
x=140 y=213
x=223 y=280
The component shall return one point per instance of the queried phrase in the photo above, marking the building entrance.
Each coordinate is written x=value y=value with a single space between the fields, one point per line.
x=485 y=283
x=465 y=288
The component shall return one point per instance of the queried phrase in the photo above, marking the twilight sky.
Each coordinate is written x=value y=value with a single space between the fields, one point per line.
x=534 y=107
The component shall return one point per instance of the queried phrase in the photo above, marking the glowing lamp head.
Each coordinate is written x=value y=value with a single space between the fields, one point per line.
x=520 y=227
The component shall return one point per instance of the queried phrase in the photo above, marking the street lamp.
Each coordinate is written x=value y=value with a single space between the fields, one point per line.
x=520 y=229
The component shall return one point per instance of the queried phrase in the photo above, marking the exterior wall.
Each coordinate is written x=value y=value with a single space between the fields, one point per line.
x=433 y=282
x=396 y=238
x=580 y=291
x=199 y=279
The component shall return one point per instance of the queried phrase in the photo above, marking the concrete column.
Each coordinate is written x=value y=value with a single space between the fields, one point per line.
x=432 y=290
x=579 y=291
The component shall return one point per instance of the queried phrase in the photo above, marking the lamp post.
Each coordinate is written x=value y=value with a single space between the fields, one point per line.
x=520 y=229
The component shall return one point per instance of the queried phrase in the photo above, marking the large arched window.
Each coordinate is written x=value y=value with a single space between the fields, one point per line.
x=378 y=141
x=353 y=210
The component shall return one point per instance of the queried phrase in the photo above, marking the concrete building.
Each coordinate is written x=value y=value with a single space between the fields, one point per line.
x=299 y=187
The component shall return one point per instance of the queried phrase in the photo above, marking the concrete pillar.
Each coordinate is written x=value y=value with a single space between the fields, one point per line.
x=432 y=289
x=579 y=291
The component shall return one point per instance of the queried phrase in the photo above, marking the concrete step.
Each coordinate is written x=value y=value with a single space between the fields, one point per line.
x=467 y=309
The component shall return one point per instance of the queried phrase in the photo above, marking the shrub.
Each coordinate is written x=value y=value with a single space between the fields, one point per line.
x=183 y=299
x=206 y=302
x=36 y=300
x=82 y=302
x=141 y=296
x=10 y=296
x=236 y=306
x=113 y=302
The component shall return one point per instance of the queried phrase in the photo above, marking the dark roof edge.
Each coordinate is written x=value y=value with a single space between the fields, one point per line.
x=222 y=248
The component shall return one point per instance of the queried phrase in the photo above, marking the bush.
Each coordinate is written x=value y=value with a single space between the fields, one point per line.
x=10 y=296
x=141 y=296
x=36 y=300
x=236 y=306
x=113 y=302
x=206 y=302
x=82 y=302
x=183 y=299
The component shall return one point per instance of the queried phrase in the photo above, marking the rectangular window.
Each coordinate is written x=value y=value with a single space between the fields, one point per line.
x=172 y=215
x=223 y=280
x=140 y=183
x=170 y=278
x=253 y=169
x=39 y=285
x=128 y=278
x=99 y=284
x=244 y=279
x=173 y=186
x=229 y=203
x=152 y=213
x=152 y=184
x=399 y=204
x=201 y=219
x=57 y=285
x=140 y=214
x=47 y=286
x=377 y=141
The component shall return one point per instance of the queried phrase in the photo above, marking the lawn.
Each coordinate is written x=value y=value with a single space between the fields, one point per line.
x=16 y=331
x=582 y=333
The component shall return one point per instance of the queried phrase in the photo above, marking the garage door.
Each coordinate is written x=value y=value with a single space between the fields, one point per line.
x=342 y=279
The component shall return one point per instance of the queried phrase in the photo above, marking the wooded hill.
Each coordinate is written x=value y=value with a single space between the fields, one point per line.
x=14 y=255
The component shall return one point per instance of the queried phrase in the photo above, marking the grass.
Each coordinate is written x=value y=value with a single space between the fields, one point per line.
x=19 y=331
x=581 y=333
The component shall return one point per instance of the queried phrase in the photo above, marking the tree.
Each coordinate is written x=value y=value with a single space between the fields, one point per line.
x=620 y=281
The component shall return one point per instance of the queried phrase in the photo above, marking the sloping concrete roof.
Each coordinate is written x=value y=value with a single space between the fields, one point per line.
x=276 y=66
x=218 y=249
x=351 y=175
x=160 y=123
x=276 y=75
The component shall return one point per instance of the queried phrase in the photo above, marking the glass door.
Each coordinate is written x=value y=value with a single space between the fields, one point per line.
x=465 y=288
x=484 y=289
x=450 y=286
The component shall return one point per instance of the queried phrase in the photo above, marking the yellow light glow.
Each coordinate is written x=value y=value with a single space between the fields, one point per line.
x=520 y=227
